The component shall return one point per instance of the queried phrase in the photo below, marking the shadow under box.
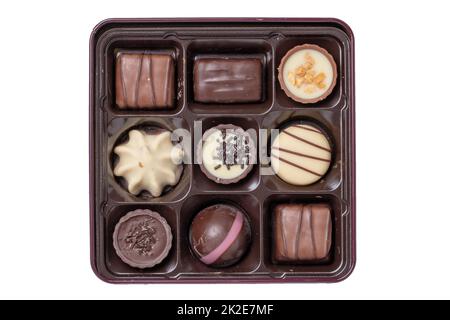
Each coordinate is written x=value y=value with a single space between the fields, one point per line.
x=334 y=260
x=118 y=133
x=190 y=264
x=334 y=47
x=329 y=121
x=250 y=182
x=140 y=46
x=116 y=266
x=226 y=48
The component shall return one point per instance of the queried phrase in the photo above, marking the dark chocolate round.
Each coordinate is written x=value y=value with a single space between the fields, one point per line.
x=142 y=238
x=220 y=235
x=235 y=153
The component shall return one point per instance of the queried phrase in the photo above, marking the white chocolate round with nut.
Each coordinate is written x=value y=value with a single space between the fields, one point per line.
x=308 y=74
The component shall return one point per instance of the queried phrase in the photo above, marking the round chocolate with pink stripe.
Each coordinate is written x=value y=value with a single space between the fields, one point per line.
x=220 y=235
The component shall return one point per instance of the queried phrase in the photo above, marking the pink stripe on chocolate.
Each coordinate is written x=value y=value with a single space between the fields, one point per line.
x=227 y=242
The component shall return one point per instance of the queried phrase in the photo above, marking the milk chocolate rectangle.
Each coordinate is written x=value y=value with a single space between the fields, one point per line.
x=145 y=81
x=227 y=80
x=301 y=232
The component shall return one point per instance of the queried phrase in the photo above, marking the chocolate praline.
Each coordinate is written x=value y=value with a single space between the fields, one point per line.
x=142 y=238
x=148 y=162
x=220 y=235
x=302 y=233
x=145 y=81
x=327 y=66
x=230 y=162
x=227 y=80
x=301 y=154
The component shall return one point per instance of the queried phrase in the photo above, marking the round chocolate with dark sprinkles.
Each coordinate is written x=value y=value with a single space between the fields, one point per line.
x=234 y=152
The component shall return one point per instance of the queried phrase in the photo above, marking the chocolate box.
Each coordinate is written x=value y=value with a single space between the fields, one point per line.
x=143 y=74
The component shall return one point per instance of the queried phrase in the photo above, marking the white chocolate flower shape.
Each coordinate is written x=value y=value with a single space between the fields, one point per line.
x=149 y=162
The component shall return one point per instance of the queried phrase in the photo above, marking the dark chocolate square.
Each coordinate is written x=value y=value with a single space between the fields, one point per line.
x=227 y=80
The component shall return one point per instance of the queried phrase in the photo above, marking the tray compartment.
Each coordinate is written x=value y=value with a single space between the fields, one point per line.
x=191 y=265
x=251 y=181
x=231 y=48
x=116 y=267
x=118 y=131
x=337 y=98
x=330 y=122
x=324 y=268
x=140 y=45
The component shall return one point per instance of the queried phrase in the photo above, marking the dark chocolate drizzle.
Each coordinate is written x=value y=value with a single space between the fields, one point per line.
x=296 y=165
x=305 y=128
x=233 y=149
x=305 y=141
x=301 y=154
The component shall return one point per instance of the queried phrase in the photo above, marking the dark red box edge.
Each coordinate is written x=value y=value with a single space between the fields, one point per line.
x=98 y=29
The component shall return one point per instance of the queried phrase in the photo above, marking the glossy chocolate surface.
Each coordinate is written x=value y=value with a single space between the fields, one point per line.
x=227 y=80
x=220 y=235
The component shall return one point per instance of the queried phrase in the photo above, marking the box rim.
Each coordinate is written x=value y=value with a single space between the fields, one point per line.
x=98 y=29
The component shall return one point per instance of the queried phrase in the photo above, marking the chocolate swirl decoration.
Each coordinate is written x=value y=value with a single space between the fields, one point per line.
x=301 y=154
x=142 y=238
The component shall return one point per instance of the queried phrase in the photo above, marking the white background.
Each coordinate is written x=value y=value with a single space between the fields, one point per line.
x=403 y=113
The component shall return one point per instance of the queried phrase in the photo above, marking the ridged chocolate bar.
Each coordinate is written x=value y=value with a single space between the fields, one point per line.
x=227 y=80
x=145 y=81
x=302 y=232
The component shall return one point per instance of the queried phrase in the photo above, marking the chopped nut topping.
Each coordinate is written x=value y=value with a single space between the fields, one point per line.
x=301 y=71
x=309 y=78
x=306 y=75
x=308 y=65
x=319 y=78
x=309 y=59
x=299 y=81
x=310 y=89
